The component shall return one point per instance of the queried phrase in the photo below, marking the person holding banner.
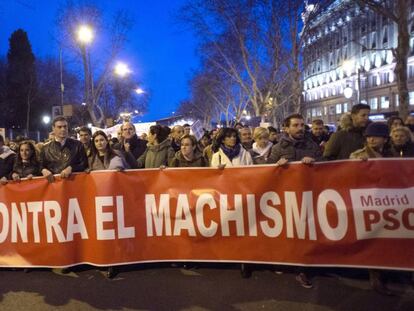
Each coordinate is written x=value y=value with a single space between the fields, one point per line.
x=350 y=137
x=158 y=148
x=228 y=150
x=26 y=164
x=7 y=157
x=262 y=146
x=400 y=143
x=63 y=155
x=189 y=155
x=294 y=145
x=376 y=137
x=103 y=157
x=130 y=145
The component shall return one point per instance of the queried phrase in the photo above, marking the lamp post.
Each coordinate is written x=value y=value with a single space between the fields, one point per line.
x=84 y=36
x=349 y=66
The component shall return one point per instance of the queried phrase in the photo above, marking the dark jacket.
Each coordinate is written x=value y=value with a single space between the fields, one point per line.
x=405 y=151
x=137 y=148
x=294 y=150
x=6 y=162
x=24 y=169
x=179 y=161
x=56 y=157
x=345 y=141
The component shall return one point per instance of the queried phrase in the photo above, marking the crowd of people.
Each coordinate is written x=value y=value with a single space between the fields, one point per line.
x=357 y=137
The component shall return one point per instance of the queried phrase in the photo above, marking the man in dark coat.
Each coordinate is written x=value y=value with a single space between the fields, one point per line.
x=294 y=145
x=130 y=145
x=351 y=135
x=62 y=155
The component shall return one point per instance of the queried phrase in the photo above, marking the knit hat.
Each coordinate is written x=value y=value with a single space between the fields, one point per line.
x=377 y=129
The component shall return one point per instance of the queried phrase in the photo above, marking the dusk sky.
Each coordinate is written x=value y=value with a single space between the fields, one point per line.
x=160 y=54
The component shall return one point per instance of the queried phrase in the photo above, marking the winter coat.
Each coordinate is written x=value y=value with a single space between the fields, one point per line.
x=179 y=161
x=137 y=148
x=219 y=157
x=294 y=150
x=369 y=153
x=24 y=169
x=260 y=156
x=155 y=155
x=56 y=157
x=7 y=157
x=115 y=162
x=345 y=141
x=405 y=151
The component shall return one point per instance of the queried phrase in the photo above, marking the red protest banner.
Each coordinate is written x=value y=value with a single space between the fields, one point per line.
x=345 y=213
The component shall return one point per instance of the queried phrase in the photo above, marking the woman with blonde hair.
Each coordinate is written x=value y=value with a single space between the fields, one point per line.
x=262 y=146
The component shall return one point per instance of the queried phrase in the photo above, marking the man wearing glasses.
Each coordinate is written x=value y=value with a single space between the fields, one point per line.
x=131 y=146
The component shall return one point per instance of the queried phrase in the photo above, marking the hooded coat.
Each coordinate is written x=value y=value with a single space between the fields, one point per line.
x=345 y=141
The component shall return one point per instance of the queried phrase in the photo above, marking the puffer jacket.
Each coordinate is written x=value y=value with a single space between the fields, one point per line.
x=294 y=150
x=56 y=157
x=155 y=155
x=179 y=161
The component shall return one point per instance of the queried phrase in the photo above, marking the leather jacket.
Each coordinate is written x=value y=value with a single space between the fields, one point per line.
x=24 y=169
x=56 y=157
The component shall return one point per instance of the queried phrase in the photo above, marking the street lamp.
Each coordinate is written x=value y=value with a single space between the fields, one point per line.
x=85 y=34
x=46 y=120
x=122 y=69
x=348 y=92
x=139 y=91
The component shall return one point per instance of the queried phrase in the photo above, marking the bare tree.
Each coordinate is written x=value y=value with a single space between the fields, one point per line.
x=241 y=41
x=70 y=17
x=397 y=11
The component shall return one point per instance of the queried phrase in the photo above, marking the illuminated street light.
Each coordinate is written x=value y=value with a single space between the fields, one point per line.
x=85 y=34
x=348 y=66
x=139 y=91
x=46 y=119
x=348 y=91
x=122 y=69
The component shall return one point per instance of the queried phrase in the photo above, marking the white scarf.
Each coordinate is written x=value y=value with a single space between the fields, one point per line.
x=263 y=152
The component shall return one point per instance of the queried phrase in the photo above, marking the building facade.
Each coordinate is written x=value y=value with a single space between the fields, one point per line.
x=348 y=59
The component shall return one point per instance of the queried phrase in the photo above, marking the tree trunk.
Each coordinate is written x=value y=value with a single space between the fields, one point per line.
x=401 y=55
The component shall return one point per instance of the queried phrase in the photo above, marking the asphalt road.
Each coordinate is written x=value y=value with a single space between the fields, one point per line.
x=210 y=287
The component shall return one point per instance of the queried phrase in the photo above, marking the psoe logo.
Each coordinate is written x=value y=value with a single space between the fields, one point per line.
x=383 y=213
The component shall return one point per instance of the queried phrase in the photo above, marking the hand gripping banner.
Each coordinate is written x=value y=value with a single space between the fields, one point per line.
x=342 y=213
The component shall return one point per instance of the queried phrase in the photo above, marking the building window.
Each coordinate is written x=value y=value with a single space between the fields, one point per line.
x=385 y=102
x=325 y=110
x=345 y=107
x=313 y=112
x=397 y=100
x=338 y=108
x=373 y=103
x=385 y=36
x=411 y=97
x=373 y=41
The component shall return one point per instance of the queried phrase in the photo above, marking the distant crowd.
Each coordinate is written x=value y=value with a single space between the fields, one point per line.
x=357 y=137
